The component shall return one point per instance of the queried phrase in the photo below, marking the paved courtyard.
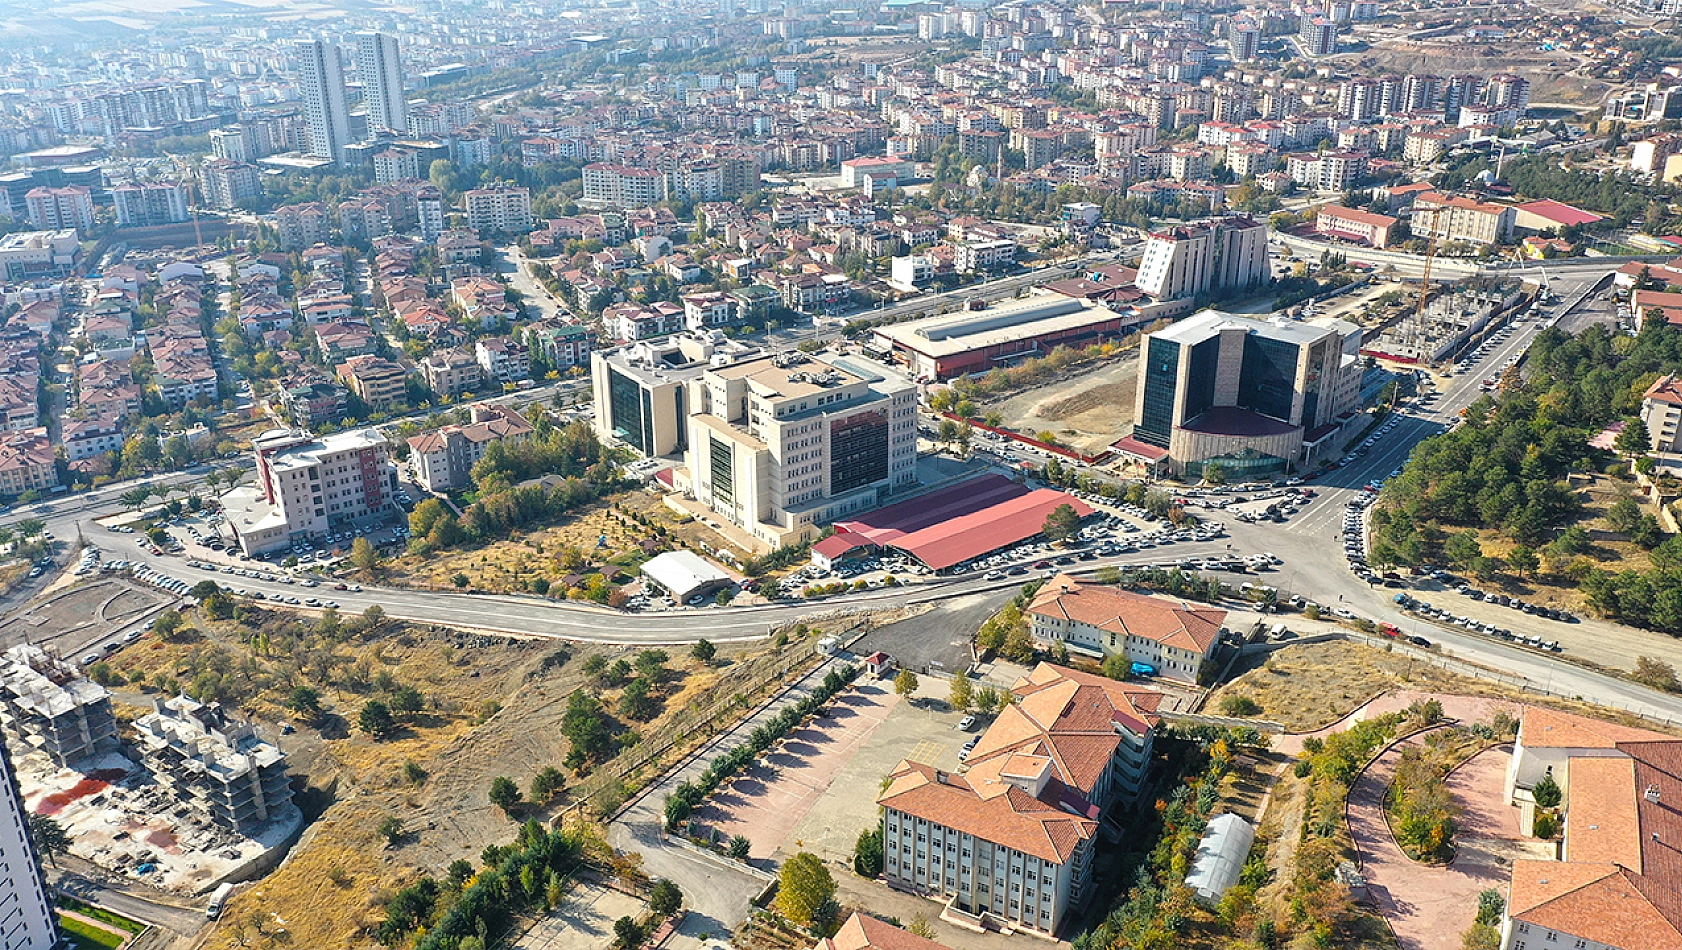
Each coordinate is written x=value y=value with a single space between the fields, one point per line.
x=1431 y=906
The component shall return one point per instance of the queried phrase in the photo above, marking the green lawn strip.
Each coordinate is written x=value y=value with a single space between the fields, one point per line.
x=101 y=914
x=88 y=937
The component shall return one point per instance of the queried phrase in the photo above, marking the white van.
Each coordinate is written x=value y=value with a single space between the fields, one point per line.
x=218 y=900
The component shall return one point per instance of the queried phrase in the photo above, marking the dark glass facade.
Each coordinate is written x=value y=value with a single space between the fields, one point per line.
x=626 y=403
x=858 y=451
x=1156 y=416
x=723 y=473
x=1267 y=383
x=1205 y=361
x=631 y=413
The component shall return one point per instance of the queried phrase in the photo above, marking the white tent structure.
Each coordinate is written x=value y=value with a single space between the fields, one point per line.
x=685 y=574
x=1220 y=856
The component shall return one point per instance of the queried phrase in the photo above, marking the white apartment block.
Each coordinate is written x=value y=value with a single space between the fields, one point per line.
x=380 y=68
x=621 y=186
x=1102 y=620
x=307 y=485
x=321 y=80
x=1661 y=412
x=1010 y=842
x=150 y=203
x=783 y=444
x=968 y=257
x=1218 y=254
x=504 y=209
x=27 y=921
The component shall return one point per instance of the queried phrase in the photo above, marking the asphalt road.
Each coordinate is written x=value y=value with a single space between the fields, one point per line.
x=1308 y=544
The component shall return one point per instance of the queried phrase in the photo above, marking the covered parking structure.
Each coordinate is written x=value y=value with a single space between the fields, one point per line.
x=951 y=526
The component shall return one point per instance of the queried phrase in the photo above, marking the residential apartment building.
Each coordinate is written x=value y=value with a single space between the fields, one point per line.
x=970 y=257
x=780 y=445
x=1453 y=218
x=503 y=360
x=378 y=382
x=1103 y=620
x=86 y=438
x=303 y=225
x=452 y=372
x=1256 y=396
x=60 y=209
x=621 y=186
x=1010 y=842
x=380 y=69
x=561 y=345
x=216 y=765
x=27 y=918
x=443 y=460
x=1220 y=254
x=229 y=184
x=321 y=80
x=503 y=209
x=307 y=485
x=27 y=462
x=147 y=204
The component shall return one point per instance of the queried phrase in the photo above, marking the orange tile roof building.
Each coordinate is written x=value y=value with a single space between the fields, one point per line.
x=863 y=932
x=1102 y=620
x=1010 y=841
x=1618 y=883
x=1353 y=224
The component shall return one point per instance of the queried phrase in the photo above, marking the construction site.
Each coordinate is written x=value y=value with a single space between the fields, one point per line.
x=199 y=797
x=1445 y=325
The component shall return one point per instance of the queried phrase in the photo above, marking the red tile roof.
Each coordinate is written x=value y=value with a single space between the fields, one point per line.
x=997 y=812
x=1125 y=613
x=862 y=932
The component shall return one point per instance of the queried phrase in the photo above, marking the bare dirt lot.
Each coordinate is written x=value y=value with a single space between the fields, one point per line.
x=1549 y=83
x=1087 y=410
x=78 y=616
x=490 y=708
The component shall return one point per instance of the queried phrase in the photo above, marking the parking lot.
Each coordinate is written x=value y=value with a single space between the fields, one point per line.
x=922 y=731
x=766 y=802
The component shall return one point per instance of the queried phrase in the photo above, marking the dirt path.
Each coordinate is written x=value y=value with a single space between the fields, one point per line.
x=1462 y=708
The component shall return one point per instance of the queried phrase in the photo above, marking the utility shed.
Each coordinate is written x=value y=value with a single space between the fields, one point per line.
x=685 y=574
x=1220 y=856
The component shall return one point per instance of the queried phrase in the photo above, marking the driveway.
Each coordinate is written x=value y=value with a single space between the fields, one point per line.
x=716 y=889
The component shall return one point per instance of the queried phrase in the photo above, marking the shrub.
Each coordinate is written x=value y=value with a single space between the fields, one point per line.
x=1237 y=705
x=1545 y=825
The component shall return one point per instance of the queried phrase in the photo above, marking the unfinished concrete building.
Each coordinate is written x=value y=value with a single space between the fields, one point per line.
x=48 y=705
x=218 y=766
